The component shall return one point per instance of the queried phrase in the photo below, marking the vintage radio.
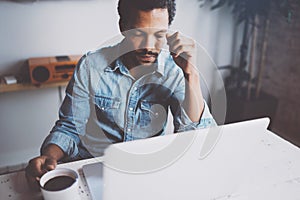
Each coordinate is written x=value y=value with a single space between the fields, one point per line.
x=52 y=69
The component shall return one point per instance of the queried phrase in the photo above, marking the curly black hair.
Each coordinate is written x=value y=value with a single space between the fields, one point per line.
x=125 y=8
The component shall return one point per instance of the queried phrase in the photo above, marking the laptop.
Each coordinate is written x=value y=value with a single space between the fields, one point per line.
x=200 y=164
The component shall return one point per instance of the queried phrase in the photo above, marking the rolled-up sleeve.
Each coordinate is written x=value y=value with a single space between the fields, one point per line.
x=182 y=122
x=67 y=143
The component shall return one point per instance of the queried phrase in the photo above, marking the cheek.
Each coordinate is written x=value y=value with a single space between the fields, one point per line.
x=159 y=44
x=135 y=42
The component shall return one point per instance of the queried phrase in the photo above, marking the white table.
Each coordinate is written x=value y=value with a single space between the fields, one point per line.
x=285 y=159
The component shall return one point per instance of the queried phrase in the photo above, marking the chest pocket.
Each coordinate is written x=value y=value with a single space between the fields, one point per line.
x=152 y=117
x=106 y=108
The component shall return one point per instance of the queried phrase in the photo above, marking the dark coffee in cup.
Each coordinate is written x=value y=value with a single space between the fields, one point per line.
x=59 y=183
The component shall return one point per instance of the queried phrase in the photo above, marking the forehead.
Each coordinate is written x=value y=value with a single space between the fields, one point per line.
x=156 y=18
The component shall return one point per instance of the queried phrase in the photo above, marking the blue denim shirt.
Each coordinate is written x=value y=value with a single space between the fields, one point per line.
x=104 y=104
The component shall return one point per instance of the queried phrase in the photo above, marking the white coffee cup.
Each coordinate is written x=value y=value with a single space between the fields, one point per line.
x=69 y=191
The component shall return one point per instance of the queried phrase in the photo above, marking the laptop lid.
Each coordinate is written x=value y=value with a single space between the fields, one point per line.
x=93 y=174
x=200 y=164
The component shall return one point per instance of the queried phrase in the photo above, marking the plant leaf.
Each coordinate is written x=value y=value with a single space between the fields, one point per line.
x=219 y=4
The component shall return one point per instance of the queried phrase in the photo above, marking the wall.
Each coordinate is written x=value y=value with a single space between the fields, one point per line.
x=282 y=74
x=48 y=28
x=43 y=28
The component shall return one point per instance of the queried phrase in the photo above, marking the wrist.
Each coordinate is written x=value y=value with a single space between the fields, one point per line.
x=53 y=151
x=191 y=76
x=190 y=71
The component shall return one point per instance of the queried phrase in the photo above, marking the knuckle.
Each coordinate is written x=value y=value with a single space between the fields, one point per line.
x=32 y=161
x=193 y=43
x=180 y=48
x=27 y=170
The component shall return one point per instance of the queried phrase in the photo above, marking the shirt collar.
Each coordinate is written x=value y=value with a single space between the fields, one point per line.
x=161 y=61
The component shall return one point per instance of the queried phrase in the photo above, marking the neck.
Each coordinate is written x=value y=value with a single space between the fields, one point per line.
x=136 y=70
x=129 y=61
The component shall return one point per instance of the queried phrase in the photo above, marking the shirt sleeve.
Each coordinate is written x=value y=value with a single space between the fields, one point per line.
x=73 y=114
x=181 y=120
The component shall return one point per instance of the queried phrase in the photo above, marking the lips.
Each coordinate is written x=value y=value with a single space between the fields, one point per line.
x=147 y=58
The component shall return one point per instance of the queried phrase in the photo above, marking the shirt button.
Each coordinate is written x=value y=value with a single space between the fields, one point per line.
x=131 y=109
x=128 y=129
x=135 y=88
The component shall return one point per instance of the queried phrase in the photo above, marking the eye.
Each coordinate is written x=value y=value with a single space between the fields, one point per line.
x=160 y=35
x=137 y=33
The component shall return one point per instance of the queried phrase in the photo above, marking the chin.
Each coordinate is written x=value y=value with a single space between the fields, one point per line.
x=147 y=63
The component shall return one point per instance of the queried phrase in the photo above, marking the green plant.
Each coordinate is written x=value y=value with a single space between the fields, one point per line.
x=248 y=9
x=250 y=12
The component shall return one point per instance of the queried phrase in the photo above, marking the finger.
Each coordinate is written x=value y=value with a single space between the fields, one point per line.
x=181 y=45
x=35 y=167
x=187 y=50
x=50 y=164
x=172 y=37
x=32 y=180
x=174 y=45
x=178 y=36
x=181 y=41
x=179 y=50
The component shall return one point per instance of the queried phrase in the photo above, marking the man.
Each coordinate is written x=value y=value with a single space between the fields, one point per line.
x=123 y=92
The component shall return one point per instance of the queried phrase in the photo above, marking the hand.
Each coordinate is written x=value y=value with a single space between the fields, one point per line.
x=183 y=50
x=36 y=168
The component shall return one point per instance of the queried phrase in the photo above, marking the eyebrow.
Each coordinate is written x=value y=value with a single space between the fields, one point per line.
x=160 y=31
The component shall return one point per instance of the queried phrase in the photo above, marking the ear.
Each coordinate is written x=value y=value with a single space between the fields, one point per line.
x=122 y=27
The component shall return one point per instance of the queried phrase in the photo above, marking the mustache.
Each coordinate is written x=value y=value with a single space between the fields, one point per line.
x=143 y=52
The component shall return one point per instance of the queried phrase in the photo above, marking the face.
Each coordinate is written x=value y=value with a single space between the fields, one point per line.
x=146 y=35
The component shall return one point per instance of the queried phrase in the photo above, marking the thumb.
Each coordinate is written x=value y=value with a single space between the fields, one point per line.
x=50 y=164
x=169 y=37
x=168 y=34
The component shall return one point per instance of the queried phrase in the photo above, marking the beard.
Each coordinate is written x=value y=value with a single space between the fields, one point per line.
x=145 y=56
x=139 y=58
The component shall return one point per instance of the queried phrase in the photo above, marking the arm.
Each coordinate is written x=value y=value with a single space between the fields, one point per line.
x=183 y=51
x=54 y=152
x=193 y=101
x=181 y=119
x=62 y=142
x=73 y=115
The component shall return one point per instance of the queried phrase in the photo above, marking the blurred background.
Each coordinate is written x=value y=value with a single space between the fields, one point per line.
x=256 y=47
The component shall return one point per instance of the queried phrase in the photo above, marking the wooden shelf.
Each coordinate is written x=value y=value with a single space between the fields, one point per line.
x=28 y=86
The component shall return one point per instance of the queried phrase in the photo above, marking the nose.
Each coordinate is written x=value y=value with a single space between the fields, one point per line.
x=149 y=42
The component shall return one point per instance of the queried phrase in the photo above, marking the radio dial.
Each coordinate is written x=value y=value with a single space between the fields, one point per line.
x=65 y=76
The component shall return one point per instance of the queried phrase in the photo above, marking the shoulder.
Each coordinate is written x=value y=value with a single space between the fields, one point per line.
x=99 y=58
